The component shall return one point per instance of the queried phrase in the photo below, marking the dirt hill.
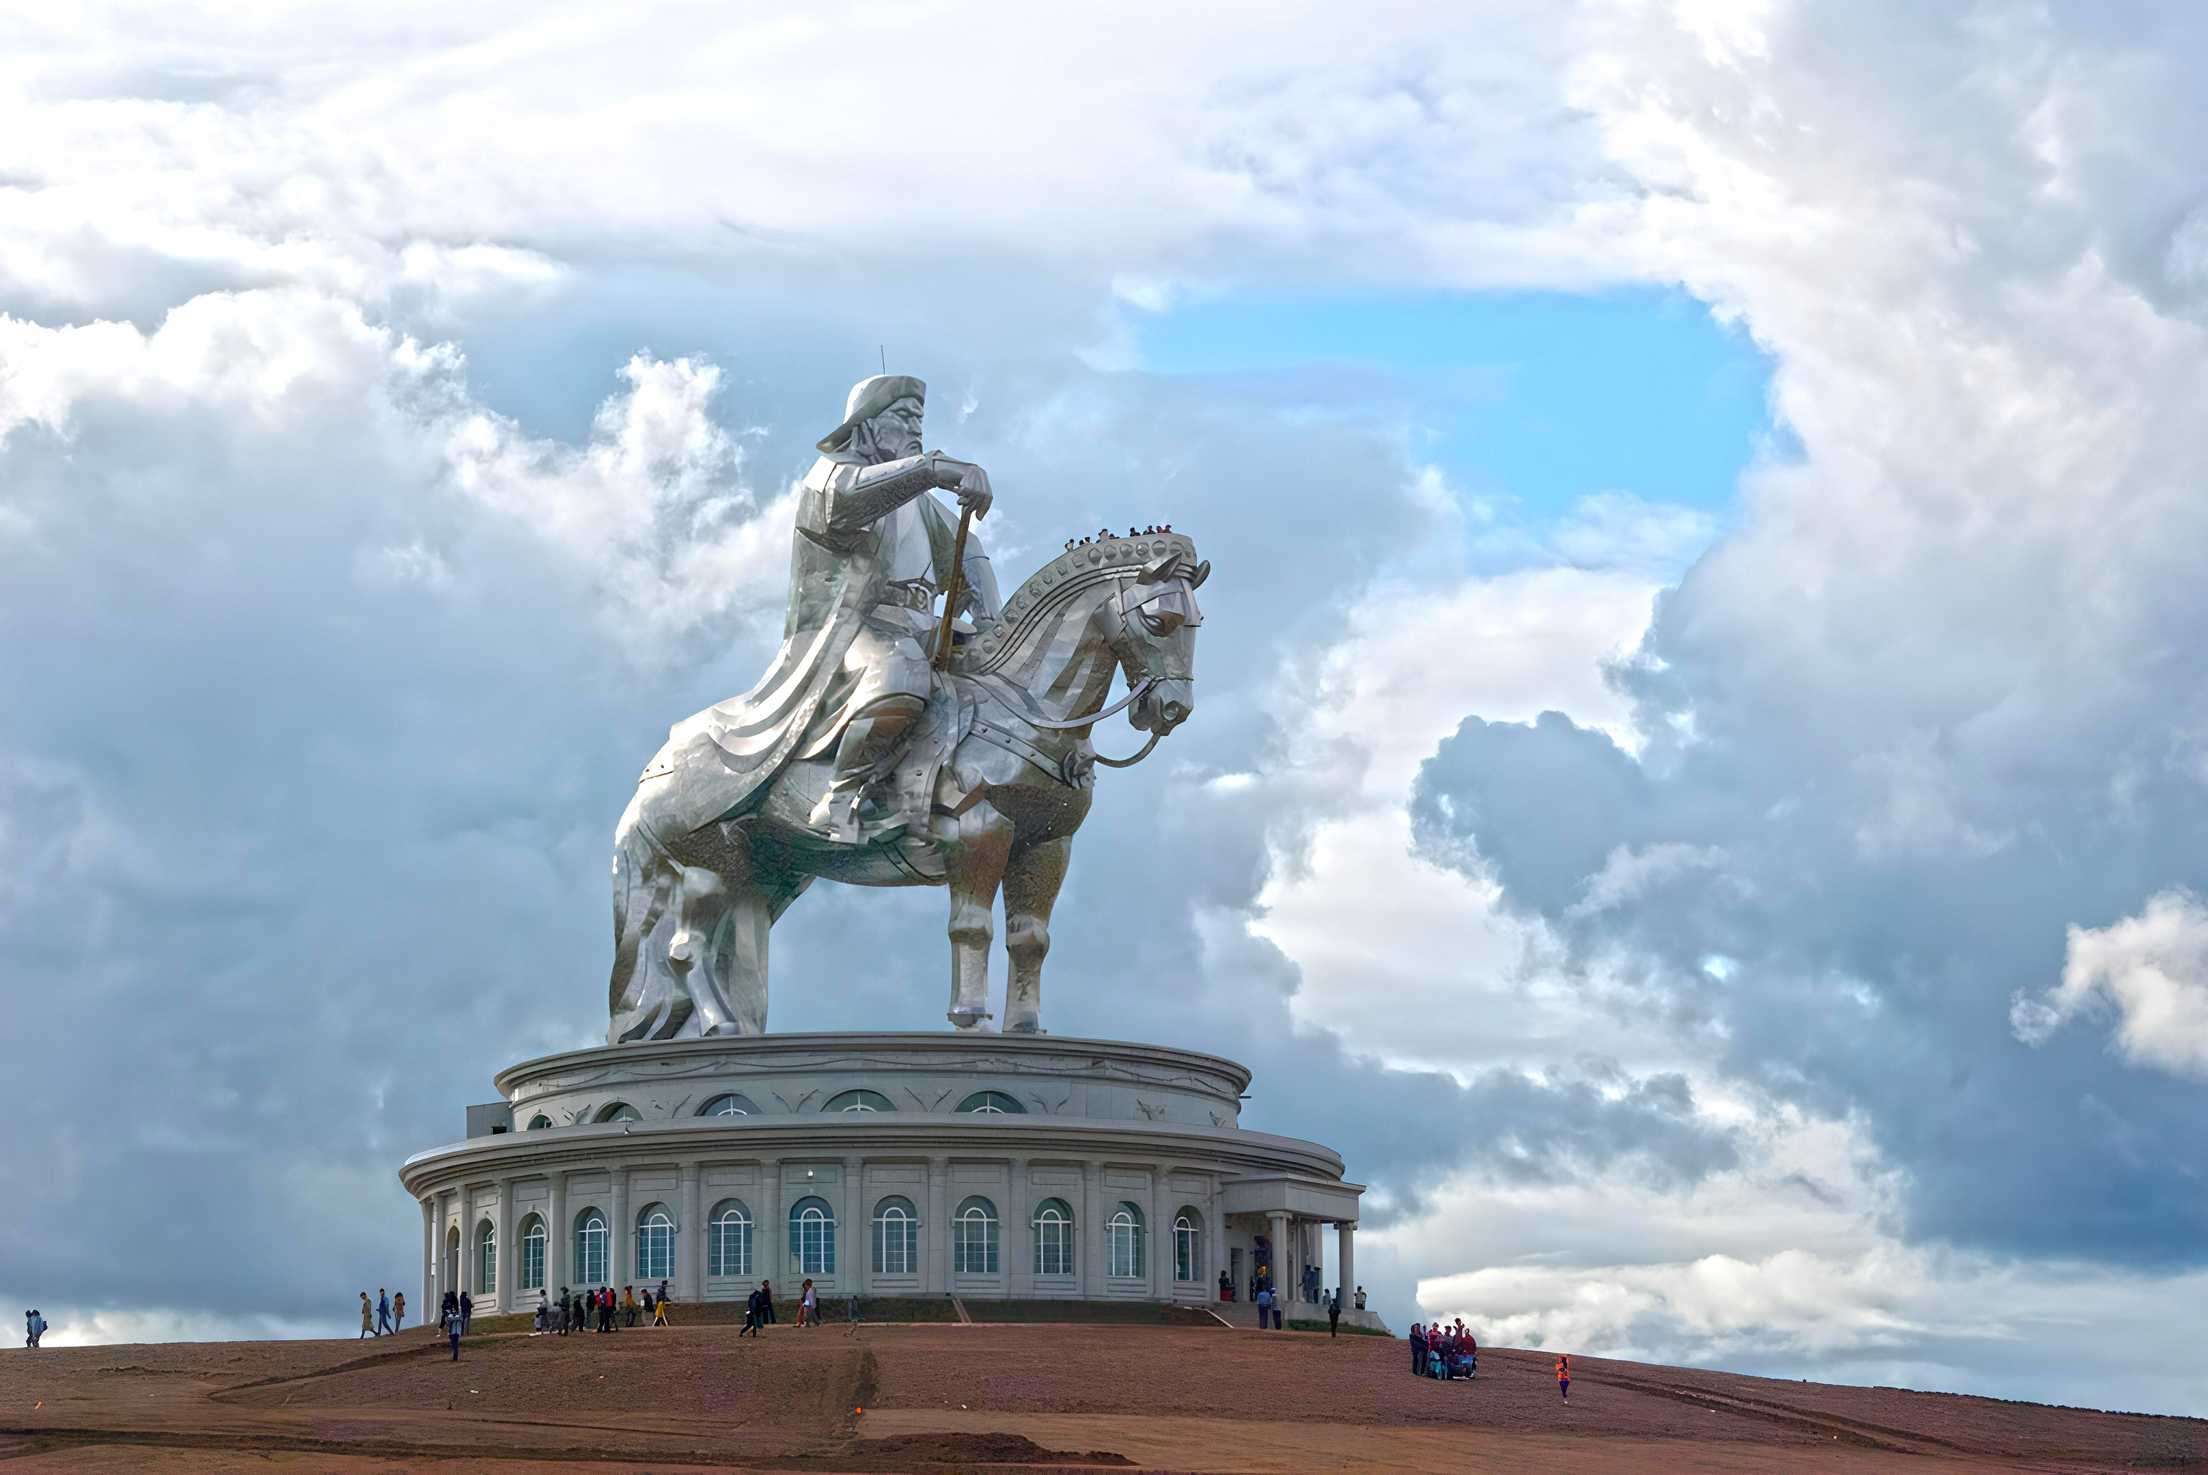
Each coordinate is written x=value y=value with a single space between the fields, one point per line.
x=991 y=1397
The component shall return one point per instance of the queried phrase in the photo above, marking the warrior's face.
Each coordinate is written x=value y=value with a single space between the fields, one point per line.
x=895 y=432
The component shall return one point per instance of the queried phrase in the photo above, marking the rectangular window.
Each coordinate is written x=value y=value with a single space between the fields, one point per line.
x=1053 y=1247
x=974 y=1246
x=896 y=1245
x=1127 y=1250
x=532 y=1263
x=728 y=1251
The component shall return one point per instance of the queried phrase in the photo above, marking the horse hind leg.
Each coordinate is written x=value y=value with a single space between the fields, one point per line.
x=1032 y=875
x=645 y=1000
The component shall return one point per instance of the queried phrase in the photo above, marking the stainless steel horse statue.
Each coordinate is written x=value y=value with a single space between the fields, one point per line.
x=990 y=788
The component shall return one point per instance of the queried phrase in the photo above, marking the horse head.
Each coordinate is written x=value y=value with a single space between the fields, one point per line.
x=1156 y=642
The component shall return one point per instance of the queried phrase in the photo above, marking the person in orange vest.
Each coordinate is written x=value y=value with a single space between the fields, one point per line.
x=1564 y=1377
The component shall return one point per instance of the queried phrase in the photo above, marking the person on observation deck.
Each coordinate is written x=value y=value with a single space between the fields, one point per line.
x=398 y=1312
x=367 y=1317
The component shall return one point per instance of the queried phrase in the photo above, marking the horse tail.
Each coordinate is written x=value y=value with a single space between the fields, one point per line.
x=645 y=1001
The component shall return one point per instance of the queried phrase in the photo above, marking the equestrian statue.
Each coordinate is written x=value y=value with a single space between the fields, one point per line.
x=885 y=746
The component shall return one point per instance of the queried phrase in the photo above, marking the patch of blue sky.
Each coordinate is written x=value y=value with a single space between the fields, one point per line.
x=1528 y=401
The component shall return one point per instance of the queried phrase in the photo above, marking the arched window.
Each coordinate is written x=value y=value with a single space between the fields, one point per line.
x=486 y=1258
x=655 y=1244
x=533 y=1240
x=728 y=1240
x=539 y=1122
x=992 y=1103
x=590 y=1249
x=1123 y=1232
x=617 y=1111
x=812 y=1237
x=729 y=1105
x=859 y=1101
x=1053 y=1237
x=896 y=1237
x=974 y=1238
x=1188 y=1244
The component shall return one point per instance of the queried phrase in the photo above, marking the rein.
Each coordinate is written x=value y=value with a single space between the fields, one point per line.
x=1134 y=693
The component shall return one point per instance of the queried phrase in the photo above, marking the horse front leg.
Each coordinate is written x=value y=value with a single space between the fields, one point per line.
x=1032 y=875
x=974 y=857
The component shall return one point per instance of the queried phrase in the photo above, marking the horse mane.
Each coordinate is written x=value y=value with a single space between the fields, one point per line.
x=1056 y=582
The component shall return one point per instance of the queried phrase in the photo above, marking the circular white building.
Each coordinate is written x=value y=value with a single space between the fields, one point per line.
x=894 y=1164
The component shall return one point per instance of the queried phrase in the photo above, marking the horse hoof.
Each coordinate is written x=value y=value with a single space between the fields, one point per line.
x=967 y=1018
x=1024 y=1027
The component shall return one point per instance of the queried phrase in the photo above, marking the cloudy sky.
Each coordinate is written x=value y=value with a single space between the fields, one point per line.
x=1703 y=732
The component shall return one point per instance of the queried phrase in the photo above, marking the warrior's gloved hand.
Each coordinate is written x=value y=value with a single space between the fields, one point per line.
x=973 y=490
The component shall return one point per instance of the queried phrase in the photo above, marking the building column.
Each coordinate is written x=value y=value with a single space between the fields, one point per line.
x=861 y=1245
x=621 y=1243
x=766 y=1235
x=1277 y=1230
x=429 y=1258
x=690 y=1237
x=556 y=1233
x=935 y=1232
x=1160 y=1266
x=1090 y=1245
x=507 y=1277
x=1019 y=1231
x=1215 y=1242
x=1345 y=1251
x=449 y=1277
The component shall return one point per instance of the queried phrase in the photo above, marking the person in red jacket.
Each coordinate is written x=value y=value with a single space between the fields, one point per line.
x=1564 y=1377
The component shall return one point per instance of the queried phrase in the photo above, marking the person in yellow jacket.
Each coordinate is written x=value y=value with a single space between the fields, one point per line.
x=1564 y=1377
x=659 y=1307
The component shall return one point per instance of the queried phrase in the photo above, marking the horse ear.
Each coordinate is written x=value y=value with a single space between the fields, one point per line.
x=1158 y=570
x=1203 y=572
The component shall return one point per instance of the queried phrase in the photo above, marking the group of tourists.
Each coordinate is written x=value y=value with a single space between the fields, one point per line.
x=600 y=1310
x=759 y=1309
x=1445 y=1351
x=34 y=1327
x=385 y=1316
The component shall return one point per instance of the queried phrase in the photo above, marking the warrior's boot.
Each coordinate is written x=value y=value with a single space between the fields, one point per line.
x=869 y=743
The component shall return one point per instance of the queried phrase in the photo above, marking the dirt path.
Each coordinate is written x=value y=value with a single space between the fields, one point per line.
x=1005 y=1397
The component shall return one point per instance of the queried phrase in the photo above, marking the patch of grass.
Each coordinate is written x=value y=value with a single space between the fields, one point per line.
x=1347 y=1330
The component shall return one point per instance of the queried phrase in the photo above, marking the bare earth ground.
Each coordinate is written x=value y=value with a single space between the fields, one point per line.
x=991 y=1397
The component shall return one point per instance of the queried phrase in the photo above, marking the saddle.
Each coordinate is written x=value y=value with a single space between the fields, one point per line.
x=905 y=796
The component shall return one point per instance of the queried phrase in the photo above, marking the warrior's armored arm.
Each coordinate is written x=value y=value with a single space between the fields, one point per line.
x=877 y=491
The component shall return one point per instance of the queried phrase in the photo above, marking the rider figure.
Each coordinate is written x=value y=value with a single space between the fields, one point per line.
x=865 y=505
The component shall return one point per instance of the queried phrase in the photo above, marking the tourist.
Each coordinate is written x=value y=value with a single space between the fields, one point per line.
x=367 y=1317
x=808 y=1305
x=447 y=1309
x=467 y=1313
x=1266 y=1312
x=659 y=1307
x=1418 y=1350
x=851 y=1309
x=1226 y=1286
x=383 y=1310
x=752 y=1316
x=543 y=1320
x=766 y=1302
x=398 y=1311
x=38 y=1327
x=560 y=1317
x=1564 y=1377
x=1360 y=1298
x=1333 y=1316
x=452 y=1335
x=628 y=1302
